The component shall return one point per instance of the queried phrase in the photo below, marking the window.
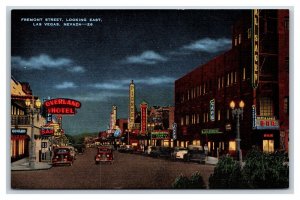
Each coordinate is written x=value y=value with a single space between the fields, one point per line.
x=219 y=115
x=240 y=38
x=198 y=118
x=286 y=23
x=287 y=64
x=227 y=114
x=235 y=41
x=235 y=77
x=204 y=118
x=286 y=105
x=219 y=83
x=231 y=79
x=222 y=81
x=249 y=33
x=187 y=120
x=188 y=95
x=266 y=106
x=268 y=146
x=232 y=146
x=204 y=88
x=181 y=121
x=228 y=79
x=244 y=73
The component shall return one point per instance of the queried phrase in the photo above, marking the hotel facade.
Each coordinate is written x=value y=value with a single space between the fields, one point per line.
x=256 y=71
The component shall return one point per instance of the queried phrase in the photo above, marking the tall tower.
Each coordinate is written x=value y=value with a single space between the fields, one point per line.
x=113 y=118
x=131 y=116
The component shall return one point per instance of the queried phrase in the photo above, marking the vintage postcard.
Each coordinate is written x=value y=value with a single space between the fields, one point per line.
x=149 y=99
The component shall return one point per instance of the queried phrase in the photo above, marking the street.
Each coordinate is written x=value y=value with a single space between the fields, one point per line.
x=129 y=171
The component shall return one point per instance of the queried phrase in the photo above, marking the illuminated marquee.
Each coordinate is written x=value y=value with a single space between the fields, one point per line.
x=131 y=106
x=266 y=123
x=160 y=135
x=255 y=48
x=62 y=106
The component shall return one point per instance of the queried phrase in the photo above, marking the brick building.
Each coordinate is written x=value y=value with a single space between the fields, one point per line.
x=254 y=70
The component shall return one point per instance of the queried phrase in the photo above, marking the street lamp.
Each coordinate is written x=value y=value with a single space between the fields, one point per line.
x=33 y=107
x=236 y=113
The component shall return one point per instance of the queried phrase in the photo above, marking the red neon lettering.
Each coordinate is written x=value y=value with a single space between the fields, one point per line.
x=262 y=123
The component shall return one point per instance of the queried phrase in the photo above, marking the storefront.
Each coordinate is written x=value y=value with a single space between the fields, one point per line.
x=19 y=143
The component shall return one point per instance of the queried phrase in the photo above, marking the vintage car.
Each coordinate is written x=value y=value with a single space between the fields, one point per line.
x=104 y=154
x=62 y=156
x=178 y=153
x=195 y=154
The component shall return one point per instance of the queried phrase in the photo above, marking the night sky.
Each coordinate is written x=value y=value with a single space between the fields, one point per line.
x=95 y=64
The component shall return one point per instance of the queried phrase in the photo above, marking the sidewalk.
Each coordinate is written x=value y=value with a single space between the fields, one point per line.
x=211 y=160
x=23 y=165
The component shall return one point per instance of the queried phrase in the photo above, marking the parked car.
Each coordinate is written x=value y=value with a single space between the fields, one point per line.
x=158 y=151
x=104 y=154
x=178 y=153
x=79 y=148
x=62 y=156
x=125 y=149
x=195 y=154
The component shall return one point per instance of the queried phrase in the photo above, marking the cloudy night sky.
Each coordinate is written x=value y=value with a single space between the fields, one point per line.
x=95 y=64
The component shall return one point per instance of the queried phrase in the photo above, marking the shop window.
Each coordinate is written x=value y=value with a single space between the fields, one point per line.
x=266 y=106
x=268 y=146
x=232 y=146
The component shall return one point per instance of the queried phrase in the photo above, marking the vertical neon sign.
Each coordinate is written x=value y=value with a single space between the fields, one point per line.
x=255 y=48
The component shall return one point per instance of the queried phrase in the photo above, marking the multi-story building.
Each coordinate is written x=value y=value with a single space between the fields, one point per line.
x=22 y=125
x=254 y=70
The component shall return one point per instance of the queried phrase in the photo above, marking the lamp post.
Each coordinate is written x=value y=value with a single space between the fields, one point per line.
x=33 y=107
x=236 y=113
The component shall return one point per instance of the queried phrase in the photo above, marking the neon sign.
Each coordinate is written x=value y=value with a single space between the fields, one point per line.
x=255 y=48
x=62 y=106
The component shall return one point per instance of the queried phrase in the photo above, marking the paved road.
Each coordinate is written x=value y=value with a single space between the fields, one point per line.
x=129 y=171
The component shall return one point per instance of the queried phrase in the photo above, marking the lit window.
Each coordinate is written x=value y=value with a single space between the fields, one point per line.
x=244 y=73
x=235 y=76
x=231 y=79
x=228 y=79
x=268 y=146
x=219 y=115
x=222 y=81
x=181 y=121
x=232 y=146
x=240 y=38
x=266 y=106
x=219 y=83
x=249 y=33
x=204 y=88
x=235 y=41
x=204 y=118
x=187 y=119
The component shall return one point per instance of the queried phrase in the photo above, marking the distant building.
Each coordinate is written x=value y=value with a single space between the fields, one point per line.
x=255 y=70
x=131 y=107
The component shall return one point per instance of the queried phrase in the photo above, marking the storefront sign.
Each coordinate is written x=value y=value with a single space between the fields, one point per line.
x=18 y=131
x=212 y=110
x=62 y=106
x=210 y=131
x=143 y=107
x=174 y=131
x=266 y=123
x=47 y=131
x=253 y=116
x=160 y=135
x=268 y=135
x=255 y=48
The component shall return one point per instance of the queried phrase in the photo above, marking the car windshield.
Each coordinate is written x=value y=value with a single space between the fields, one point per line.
x=65 y=150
